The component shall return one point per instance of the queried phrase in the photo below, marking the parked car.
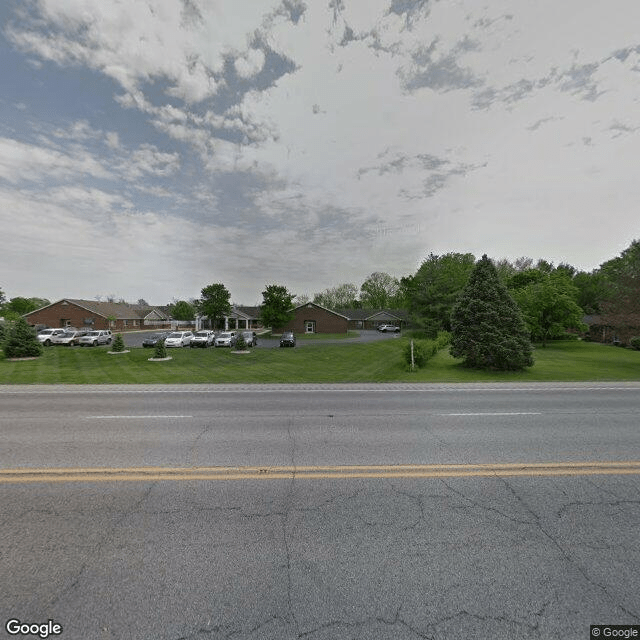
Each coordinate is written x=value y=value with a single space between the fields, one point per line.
x=250 y=338
x=288 y=339
x=46 y=336
x=178 y=339
x=226 y=339
x=94 y=338
x=203 y=339
x=68 y=338
x=154 y=338
x=387 y=328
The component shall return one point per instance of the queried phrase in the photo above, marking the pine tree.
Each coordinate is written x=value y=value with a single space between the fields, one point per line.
x=160 y=350
x=21 y=341
x=118 y=343
x=487 y=327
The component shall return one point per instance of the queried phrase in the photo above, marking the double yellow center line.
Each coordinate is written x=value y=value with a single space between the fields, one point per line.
x=149 y=474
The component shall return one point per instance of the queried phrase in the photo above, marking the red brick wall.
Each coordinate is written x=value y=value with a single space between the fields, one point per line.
x=53 y=315
x=326 y=322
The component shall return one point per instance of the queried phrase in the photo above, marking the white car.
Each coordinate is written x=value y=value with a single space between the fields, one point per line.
x=178 y=339
x=389 y=328
x=68 y=338
x=203 y=339
x=94 y=338
x=46 y=336
x=226 y=339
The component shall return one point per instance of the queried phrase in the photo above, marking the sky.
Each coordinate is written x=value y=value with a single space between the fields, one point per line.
x=151 y=148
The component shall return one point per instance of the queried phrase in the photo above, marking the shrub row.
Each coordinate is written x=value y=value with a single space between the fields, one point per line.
x=424 y=350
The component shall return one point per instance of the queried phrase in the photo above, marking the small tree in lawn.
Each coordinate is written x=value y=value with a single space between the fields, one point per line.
x=118 y=343
x=487 y=327
x=241 y=344
x=21 y=341
x=160 y=350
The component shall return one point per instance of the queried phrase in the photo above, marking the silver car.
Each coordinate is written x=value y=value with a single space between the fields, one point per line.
x=250 y=338
x=226 y=339
x=94 y=338
x=46 y=336
x=68 y=338
x=203 y=339
x=178 y=339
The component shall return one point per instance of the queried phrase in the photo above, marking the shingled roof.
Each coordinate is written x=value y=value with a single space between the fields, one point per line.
x=118 y=310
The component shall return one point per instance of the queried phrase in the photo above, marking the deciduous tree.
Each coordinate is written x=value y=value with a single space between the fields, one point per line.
x=548 y=301
x=277 y=306
x=343 y=296
x=433 y=290
x=214 y=302
x=379 y=291
x=182 y=310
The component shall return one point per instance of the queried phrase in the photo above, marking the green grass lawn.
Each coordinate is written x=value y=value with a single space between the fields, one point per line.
x=363 y=362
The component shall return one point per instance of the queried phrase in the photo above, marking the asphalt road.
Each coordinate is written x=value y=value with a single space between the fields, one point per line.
x=317 y=526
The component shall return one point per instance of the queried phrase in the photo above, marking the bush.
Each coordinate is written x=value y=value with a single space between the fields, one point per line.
x=443 y=339
x=241 y=344
x=160 y=350
x=423 y=351
x=21 y=341
x=635 y=343
x=118 y=343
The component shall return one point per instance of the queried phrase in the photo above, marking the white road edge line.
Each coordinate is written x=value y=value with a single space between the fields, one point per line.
x=130 y=417
x=512 y=413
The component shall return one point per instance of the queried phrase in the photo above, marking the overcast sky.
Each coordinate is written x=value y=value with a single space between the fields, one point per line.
x=150 y=148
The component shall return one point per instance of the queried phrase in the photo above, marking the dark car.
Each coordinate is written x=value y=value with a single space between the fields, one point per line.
x=288 y=339
x=154 y=338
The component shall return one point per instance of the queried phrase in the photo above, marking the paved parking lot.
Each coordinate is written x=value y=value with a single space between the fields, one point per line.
x=135 y=338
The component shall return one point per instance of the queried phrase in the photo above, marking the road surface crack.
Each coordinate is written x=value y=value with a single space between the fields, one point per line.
x=565 y=554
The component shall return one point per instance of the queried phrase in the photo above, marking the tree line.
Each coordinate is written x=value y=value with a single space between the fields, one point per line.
x=552 y=299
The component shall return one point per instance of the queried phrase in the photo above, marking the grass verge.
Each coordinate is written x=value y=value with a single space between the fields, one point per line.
x=364 y=362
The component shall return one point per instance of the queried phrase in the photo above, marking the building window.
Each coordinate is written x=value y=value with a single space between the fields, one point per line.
x=309 y=326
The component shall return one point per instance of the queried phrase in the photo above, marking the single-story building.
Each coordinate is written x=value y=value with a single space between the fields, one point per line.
x=313 y=318
x=93 y=314
x=605 y=330
x=373 y=318
x=239 y=318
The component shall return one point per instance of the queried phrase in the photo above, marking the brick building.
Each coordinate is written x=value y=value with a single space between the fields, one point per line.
x=90 y=314
x=312 y=318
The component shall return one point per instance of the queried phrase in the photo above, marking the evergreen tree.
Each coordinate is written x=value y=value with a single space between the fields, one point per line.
x=240 y=345
x=160 y=350
x=21 y=341
x=487 y=327
x=118 y=343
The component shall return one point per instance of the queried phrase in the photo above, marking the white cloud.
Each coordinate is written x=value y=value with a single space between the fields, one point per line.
x=22 y=161
x=355 y=136
x=250 y=63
